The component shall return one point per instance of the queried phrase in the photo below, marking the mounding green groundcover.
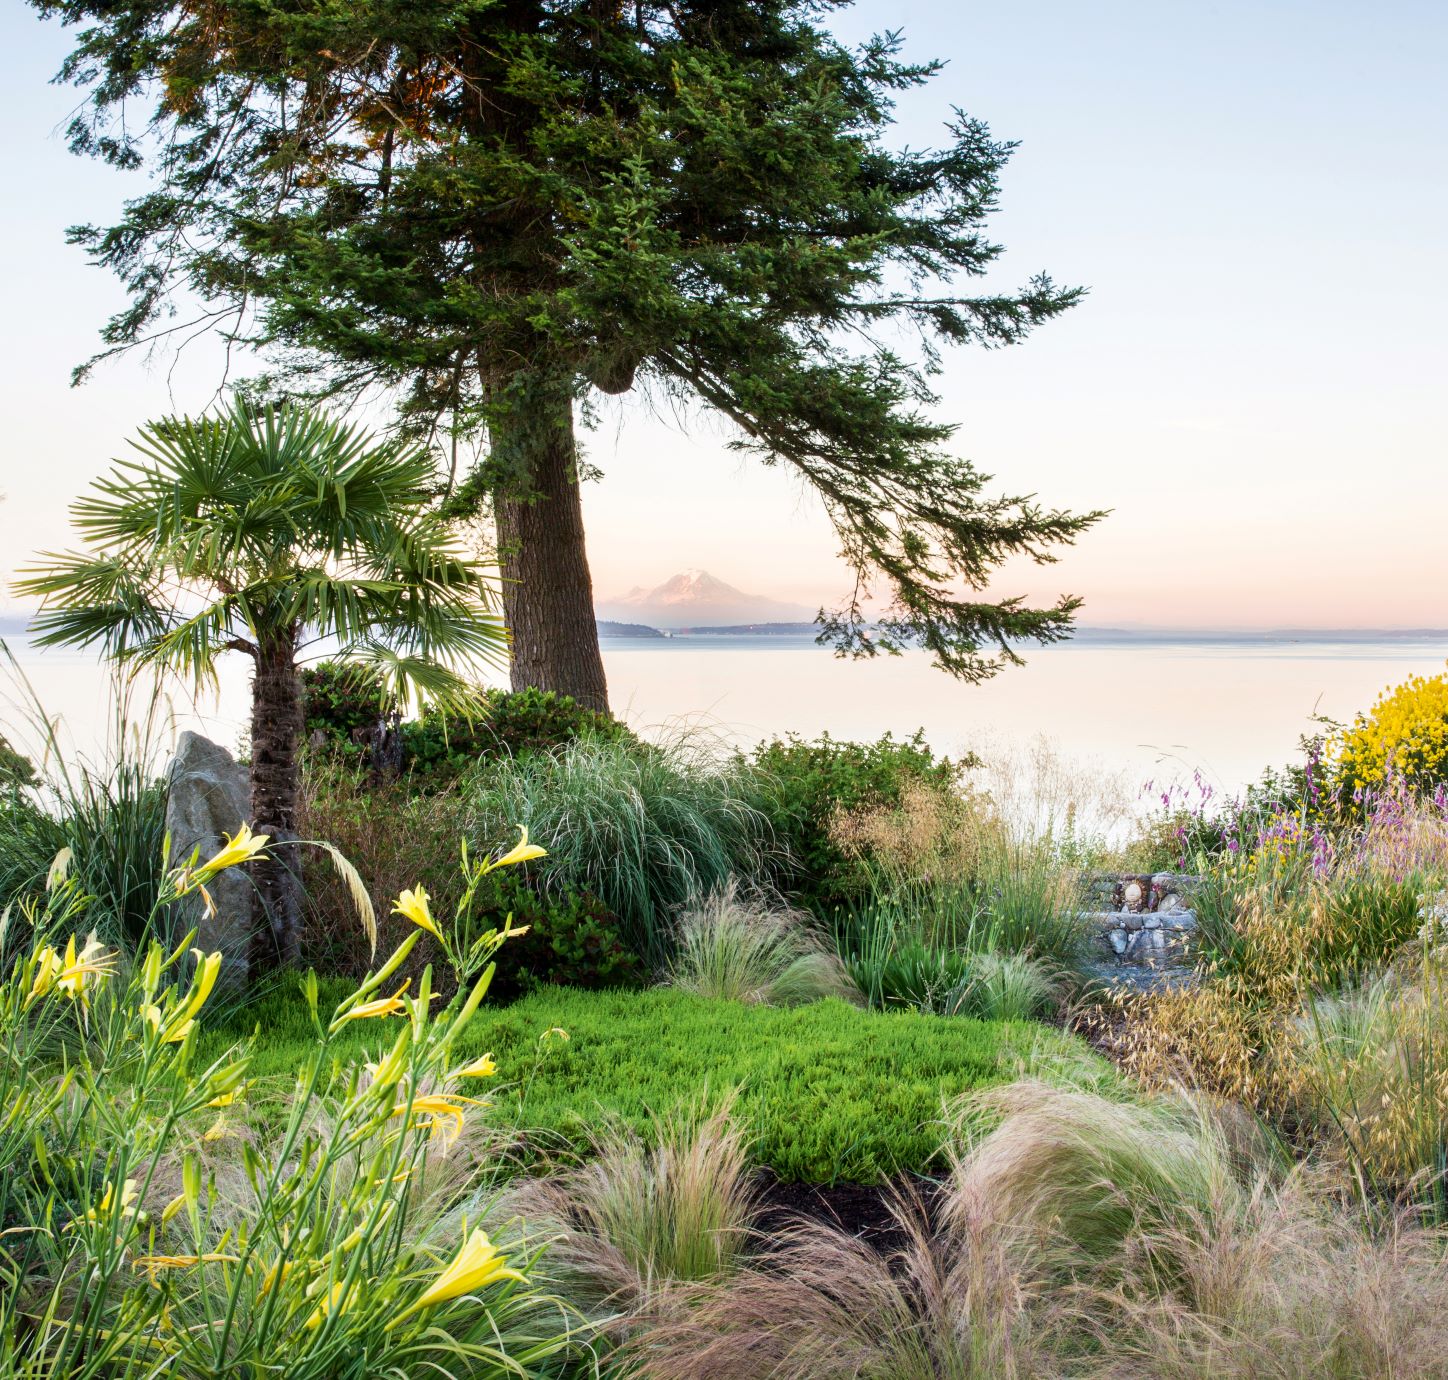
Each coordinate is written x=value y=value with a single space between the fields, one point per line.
x=828 y=1092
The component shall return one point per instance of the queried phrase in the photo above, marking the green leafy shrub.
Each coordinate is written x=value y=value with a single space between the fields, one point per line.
x=437 y=748
x=804 y=787
x=573 y=939
x=827 y=1091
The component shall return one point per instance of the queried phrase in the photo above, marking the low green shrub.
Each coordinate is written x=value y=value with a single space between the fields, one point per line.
x=827 y=1092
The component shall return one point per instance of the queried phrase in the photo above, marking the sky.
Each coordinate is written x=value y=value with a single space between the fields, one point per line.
x=1254 y=193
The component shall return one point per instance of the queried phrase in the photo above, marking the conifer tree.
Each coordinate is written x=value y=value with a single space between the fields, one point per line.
x=491 y=207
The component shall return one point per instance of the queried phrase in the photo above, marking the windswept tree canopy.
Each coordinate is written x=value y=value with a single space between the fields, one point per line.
x=485 y=205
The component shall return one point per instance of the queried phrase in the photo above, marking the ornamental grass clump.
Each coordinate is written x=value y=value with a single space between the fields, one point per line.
x=646 y=829
x=151 y=1228
x=1071 y=1171
x=735 y=947
x=645 y=1212
x=820 y=1303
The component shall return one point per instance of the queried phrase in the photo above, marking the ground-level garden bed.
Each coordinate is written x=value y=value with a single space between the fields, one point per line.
x=824 y=1093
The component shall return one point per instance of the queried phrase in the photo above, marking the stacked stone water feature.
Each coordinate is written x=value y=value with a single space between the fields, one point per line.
x=1141 y=926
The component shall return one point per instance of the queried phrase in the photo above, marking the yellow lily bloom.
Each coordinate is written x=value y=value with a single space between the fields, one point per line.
x=276 y=1275
x=208 y=967
x=129 y=1192
x=226 y=1099
x=520 y=852
x=413 y=904
x=439 y=1113
x=484 y=1067
x=217 y=1130
x=477 y=1265
x=76 y=968
x=173 y=1033
x=380 y=1006
x=241 y=847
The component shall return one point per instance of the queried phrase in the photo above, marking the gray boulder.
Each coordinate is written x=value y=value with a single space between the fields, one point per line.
x=210 y=795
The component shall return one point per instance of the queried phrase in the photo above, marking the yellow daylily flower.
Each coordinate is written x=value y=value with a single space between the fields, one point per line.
x=413 y=905
x=276 y=1275
x=226 y=1099
x=76 y=969
x=520 y=852
x=483 y=1067
x=129 y=1193
x=439 y=1113
x=477 y=1265
x=173 y=1033
x=240 y=847
x=379 y=1006
x=217 y=1130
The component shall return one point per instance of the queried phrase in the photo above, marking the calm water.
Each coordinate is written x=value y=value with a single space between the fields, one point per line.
x=1145 y=709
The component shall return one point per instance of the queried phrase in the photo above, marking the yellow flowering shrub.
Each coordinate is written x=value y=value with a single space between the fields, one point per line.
x=1404 y=737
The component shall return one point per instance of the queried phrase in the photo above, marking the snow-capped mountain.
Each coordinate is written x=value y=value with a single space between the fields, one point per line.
x=695 y=598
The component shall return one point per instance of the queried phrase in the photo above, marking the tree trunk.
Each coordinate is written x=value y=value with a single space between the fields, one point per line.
x=547 y=590
x=276 y=737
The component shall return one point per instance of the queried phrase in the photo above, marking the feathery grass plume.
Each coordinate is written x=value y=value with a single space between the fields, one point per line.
x=733 y=946
x=1294 y=1287
x=644 y=1213
x=1083 y=1172
x=1005 y=987
x=645 y=828
x=821 y=1304
x=356 y=890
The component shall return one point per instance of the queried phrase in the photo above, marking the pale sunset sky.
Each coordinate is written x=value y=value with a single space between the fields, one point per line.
x=1256 y=193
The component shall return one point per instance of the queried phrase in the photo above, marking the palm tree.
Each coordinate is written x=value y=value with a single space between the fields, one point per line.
x=263 y=532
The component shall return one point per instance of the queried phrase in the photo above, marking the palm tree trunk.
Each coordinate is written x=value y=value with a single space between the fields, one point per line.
x=276 y=737
x=547 y=588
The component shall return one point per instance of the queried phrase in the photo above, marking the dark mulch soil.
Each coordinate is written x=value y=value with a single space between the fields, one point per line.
x=862 y=1210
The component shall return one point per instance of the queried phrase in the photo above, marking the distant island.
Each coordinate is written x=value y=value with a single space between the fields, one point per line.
x=608 y=628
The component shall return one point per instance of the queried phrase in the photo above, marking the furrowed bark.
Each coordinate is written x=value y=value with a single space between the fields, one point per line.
x=276 y=737
x=547 y=588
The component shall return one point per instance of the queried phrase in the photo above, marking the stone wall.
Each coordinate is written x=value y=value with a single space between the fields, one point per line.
x=1140 y=926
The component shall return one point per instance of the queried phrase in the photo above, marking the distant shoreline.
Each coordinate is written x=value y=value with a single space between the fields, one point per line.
x=13 y=626
x=611 y=631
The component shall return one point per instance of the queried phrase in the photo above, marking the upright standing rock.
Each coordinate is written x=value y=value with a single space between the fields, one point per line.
x=210 y=795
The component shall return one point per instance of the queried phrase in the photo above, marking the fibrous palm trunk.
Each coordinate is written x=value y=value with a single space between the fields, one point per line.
x=547 y=588
x=276 y=737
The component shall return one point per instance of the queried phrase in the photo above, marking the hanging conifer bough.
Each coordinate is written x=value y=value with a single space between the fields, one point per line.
x=491 y=207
